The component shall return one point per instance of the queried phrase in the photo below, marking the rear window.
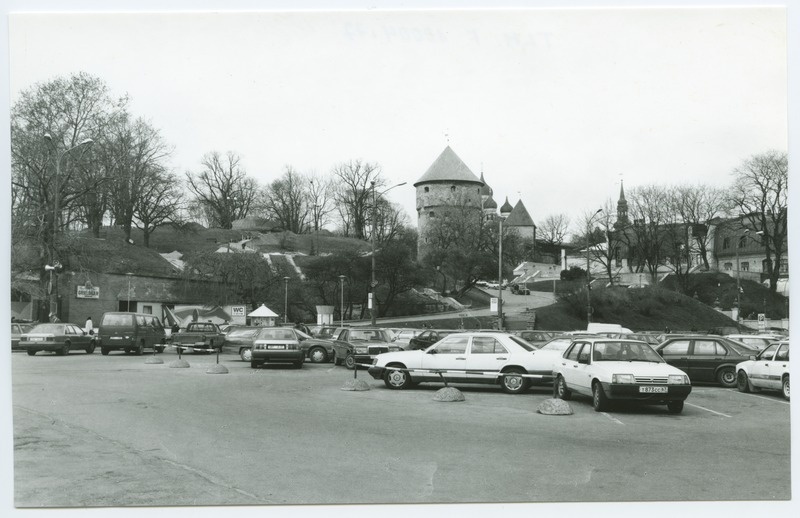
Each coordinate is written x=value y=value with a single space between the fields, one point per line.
x=56 y=329
x=243 y=333
x=276 y=334
x=117 y=319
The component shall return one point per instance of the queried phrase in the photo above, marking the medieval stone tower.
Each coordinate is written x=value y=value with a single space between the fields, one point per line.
x=447 y=185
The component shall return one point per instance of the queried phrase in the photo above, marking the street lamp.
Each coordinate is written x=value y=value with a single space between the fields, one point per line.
x=128 y=306
x=503 y=215
x=59 y=156
x=589 y=277
x=286 y=300
x=341 y=294
x=372 y=302
x=738 y=281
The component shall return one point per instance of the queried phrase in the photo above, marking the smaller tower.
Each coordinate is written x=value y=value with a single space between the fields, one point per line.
x=622 y=209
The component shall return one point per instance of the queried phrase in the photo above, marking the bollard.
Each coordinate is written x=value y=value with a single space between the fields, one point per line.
x=355 y=384
x=448 y=394
x=217 y=368
x=179 y=363
x=152 y=360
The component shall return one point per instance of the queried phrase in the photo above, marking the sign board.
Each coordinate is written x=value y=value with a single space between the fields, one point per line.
x=91 y=292
x=493 y=304
x=369 y=301
x=762 y=322
x=238 y=311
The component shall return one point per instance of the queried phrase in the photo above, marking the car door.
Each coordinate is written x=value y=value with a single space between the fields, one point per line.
x=571 y=368
x=676 y=353
x=777 y=366
x=760 y=370
x=450 y=355
x=486 y=354
x=704 y=358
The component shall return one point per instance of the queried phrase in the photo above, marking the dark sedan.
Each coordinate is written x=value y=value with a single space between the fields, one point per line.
x=704 y=357
x=316 y=350
x=59 y=338
x=429 y=337
x=361 y=345
x=240 y=339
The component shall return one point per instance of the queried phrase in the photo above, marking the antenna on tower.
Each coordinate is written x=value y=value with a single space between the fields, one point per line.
x=447 y=137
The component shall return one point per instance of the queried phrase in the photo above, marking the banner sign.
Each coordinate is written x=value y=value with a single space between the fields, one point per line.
x=91 y=292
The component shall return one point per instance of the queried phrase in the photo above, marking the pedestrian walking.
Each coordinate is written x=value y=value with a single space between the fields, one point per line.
x=89 y=326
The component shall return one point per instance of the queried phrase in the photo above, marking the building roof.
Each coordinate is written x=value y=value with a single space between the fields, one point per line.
x=262 y=311
x=490 y=203
x=519 y=216
x=506 y=208
x=486 y=190
x=448 y=168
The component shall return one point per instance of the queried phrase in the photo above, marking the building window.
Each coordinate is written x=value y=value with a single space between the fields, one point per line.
x=147 y=309
x=427 y=189
x=742 y=241
x=728 y=266
x=745 y=266
x=784 y=266
x=432 y=214
x=452 y=188
x=726 y=243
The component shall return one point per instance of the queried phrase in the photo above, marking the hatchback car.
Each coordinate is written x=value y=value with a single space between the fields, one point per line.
x=614 y=369
x=59 y=338
x=705 y=357
x=769 y=370
x=277 y=344
x=469 y=357
x=360 y=345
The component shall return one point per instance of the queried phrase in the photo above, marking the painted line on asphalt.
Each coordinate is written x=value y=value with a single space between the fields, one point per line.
x=613 y=418
x=708 y=410
x=766 y=398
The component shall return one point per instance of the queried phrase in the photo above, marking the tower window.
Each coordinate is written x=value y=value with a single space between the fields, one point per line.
x=452 y=188
x=742 y=241
x=427 y=189
x=726 y=243
x=432 y=214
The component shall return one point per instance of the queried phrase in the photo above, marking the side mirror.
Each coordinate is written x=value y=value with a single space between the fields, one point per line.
x=431 y=351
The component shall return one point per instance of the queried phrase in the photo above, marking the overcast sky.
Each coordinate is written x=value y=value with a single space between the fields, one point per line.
x=554 y=106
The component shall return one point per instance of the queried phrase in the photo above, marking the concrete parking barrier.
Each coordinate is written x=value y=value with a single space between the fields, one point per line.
x=356 y=384
x=154 y=360
x=180 y=363
x=217 y=368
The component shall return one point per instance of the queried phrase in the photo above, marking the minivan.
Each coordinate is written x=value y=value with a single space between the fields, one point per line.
x=130 y=332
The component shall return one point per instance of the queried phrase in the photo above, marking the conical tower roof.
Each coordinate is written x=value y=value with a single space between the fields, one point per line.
x=448 y=168
x=519 y=216
x=506 y=208
x=486 y=190
x=621 y=192
x=490 y=203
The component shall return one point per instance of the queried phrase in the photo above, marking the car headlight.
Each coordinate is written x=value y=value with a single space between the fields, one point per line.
x=393 y=348
x=623 y=378
x=374 y=361
x=678 y=379
x=361 y=349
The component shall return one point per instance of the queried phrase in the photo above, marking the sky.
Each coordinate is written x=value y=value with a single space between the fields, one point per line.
x=554 y=106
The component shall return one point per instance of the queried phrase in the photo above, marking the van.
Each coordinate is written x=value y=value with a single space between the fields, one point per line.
x=130 y=332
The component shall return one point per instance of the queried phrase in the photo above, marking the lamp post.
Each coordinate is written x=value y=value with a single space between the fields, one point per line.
x=373 y=283
x=286 y=300
x=500 y=324
x=589 y=277
x=128 y=306
x=738 y=281
x=54 y=279
x=341 y=304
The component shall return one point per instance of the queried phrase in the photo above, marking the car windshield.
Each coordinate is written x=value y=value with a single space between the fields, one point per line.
x=522 y=343
x=276 y=334
x=117 y=319
x=52 y=329
x=557 y=344
x=302 y=335
x=625 y=352
x=375 y=335
x=326 y=332
x=243 y=333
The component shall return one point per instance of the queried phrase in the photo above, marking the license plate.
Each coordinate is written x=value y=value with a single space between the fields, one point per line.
x=116 y=338
x=36 y=339
x=653 y=390
x=276 y=347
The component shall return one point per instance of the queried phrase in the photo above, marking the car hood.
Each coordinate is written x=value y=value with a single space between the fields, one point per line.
x=409 y=358
x=636 y=368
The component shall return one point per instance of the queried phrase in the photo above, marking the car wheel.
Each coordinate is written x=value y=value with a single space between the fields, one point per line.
x=31 y=352
x=246 y=354
x=785 y=387
x=318 y=355
x=560 y=389
x=64 y=350
x=254 y=364
x=512 y=383
x=397 y=379
x=727 y=377
x=90 y=349
x=675 y=407
x=104 y=351
x=350 y=362
x=742 y=383
x=599 y=400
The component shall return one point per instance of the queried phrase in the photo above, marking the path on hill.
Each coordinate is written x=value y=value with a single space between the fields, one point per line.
x=514 y=305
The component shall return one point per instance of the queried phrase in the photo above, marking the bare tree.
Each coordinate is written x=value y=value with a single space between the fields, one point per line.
x=645 y=236
x=760 y=193
x=600 y=239
x=697 y=206
x=320 y=200
x=553 y=231
x=354 y=194
x=158 y=202
x=223 y=188
x=286 y=201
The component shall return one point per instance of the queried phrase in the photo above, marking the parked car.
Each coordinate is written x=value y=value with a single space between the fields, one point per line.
x=758 y=342
x=199 y=337
x=316 y=350
x=59 y=338
x=130 y=332
x=535 y=338
x=403 y=338
x=617 y=369
x=769 y=370
x=17 y=330
x=279 y=345
x=484 y=357
x=429 y=337
x=650 y=339
x=361 y=345
x=328 y=332
x=546 y=357
x=240 y=339
x=705 y=357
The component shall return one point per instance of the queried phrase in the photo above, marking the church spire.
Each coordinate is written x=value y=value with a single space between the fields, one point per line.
x=622 y=208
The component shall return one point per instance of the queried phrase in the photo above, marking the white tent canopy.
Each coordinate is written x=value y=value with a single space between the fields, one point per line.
x=263 y=311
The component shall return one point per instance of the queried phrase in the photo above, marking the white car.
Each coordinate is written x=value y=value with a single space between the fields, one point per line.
x=769 y=370
x=616 y=369
x=471 y=357
x=757 y=342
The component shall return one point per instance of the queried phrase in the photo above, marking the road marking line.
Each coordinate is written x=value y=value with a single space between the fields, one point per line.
x=613 y=418
x=767 y=398
x=709 y=410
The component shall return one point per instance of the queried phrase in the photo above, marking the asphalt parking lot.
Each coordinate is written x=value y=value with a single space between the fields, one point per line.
x=92 y=430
